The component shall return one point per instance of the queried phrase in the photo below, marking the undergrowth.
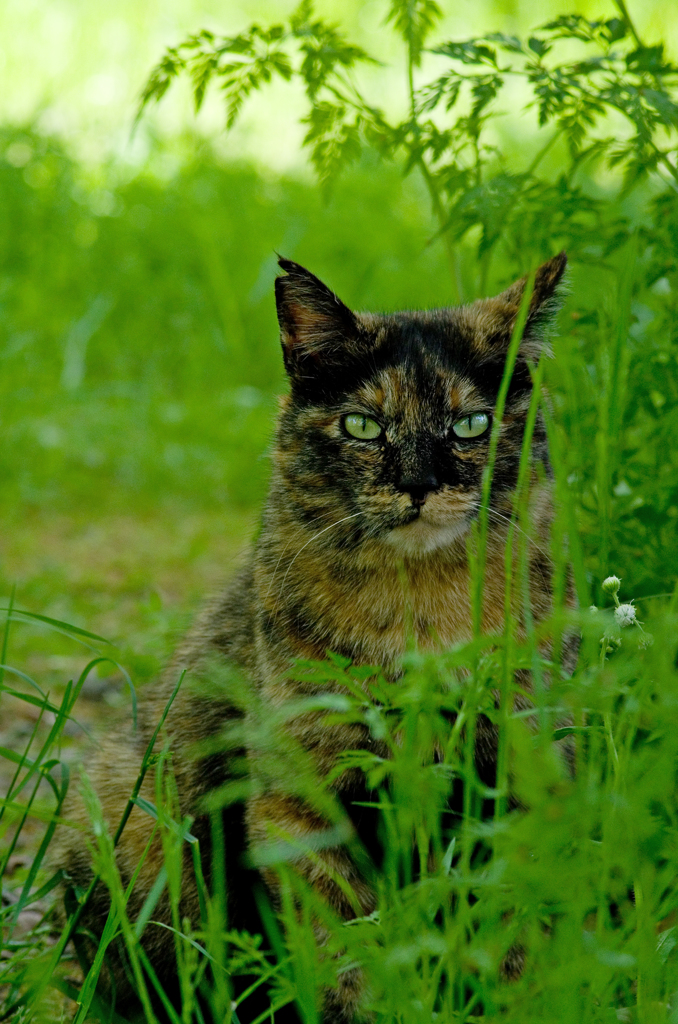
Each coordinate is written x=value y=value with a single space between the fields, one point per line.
x=567 y=862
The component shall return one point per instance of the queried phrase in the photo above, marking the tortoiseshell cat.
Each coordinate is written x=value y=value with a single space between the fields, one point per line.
x=377 y=465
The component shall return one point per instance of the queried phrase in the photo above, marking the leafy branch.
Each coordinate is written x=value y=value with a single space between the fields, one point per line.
x=616 y=84
x=244 y=63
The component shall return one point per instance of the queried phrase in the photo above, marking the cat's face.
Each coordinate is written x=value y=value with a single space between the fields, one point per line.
x=387 y=429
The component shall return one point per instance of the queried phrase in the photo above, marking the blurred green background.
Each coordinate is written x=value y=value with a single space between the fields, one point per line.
x=139 y=361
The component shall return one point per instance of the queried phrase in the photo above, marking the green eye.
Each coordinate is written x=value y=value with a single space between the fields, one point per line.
x=472 y=426
x=361 y=427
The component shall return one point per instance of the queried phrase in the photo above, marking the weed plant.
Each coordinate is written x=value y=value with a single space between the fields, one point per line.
x=568 y=860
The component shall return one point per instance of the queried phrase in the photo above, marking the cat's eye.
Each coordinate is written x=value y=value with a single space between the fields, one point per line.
x=361 y=427
x=472 y=426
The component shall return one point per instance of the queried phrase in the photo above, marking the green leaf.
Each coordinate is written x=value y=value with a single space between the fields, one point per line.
x=483 y=91
x=160 y=79
x=470 y=52
x=182 y=831
x=572 y=26
x=569 y=730
x=510 y=43
x=487 y=204
x=615 y=29
x=414 y=20
x=648 y=58
x=324 y=51
x=301 y=18
x=333 y=139
x=538 y=46
x=150 y=902
x=240 y=79
x=666 y=942
x=22 y=675
x=663 y=104
x=446 y=87
x=19 y=615
x=446 y=863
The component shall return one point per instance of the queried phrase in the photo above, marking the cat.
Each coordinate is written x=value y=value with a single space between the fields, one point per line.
x=377 y=466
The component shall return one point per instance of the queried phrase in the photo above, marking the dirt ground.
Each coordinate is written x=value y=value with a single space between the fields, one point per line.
x=135 y=581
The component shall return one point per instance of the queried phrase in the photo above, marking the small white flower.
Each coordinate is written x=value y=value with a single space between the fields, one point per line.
x=611 y=585
x=625 y=614
x=593 y=609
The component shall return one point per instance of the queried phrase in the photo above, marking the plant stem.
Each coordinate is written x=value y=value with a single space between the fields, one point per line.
x=485 y=261
x=439 y=210
x=410 y=83
x=542 y=152
x=673 y=170
x=433 y=190
x=638 y=900
x=478 y=574
x=5 y=637
x=621 y=6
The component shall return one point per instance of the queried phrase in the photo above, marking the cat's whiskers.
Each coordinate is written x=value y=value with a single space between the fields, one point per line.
x=311 y=539
x=512 y=522
x=315 y=519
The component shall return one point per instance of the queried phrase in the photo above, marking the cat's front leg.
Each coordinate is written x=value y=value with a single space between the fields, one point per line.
x=305 y=841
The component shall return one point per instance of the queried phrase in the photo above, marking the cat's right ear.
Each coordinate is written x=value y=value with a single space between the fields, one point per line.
x=316 y=328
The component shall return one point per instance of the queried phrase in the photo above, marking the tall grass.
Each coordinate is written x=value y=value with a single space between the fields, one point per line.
x=572 y=874
x=138 y=359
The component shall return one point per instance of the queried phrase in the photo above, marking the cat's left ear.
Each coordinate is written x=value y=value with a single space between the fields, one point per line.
x=501 y=312
x=316 y=329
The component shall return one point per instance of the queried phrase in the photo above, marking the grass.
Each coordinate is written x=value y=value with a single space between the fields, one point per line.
x=162 y=459
x=583 y=876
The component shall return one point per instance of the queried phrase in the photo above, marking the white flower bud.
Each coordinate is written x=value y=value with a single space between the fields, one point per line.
x=611 y=585
x=625 y=614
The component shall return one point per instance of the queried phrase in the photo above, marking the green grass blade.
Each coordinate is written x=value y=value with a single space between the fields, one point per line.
x=5 y=636
x=42 y=849
x=21 y=615
x=478 y=557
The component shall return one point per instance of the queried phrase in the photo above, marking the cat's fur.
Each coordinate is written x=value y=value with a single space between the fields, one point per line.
x=344 y=520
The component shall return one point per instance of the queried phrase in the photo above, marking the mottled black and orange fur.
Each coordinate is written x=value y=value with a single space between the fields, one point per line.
x=344 y=520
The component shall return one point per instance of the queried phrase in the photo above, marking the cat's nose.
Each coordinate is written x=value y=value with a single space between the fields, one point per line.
x=419 y=487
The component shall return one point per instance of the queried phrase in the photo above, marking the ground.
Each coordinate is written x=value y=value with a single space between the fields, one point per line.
x=135 y=580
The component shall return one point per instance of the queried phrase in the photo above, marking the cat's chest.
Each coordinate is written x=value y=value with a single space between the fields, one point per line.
x=430 y=604
x=370 y=614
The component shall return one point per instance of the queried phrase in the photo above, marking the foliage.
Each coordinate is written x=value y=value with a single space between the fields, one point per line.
x=138 y=359
x=578 y=879
x=614 y=82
